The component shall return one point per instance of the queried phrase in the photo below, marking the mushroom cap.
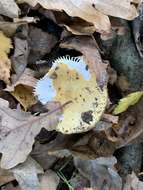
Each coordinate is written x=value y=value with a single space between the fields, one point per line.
x=70 y=79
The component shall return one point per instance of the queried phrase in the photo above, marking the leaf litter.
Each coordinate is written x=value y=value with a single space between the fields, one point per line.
x=60 y=92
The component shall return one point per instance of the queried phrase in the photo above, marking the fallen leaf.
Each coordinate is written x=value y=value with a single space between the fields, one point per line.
x=18 y=130
x=100 y=172
x=123 y=83
x=122 y=9
x=110 y=118
x=20 y=58
x=89 y=146
x=131 y=122
x=9 y=8
x=9 y=28
x=133 y=183
x=24 y=95
x=49 y=180
x=40 y=154
x=92 y=145
x=127 y=101
x=82 y=9
x=68 y=80
x=10 y=186
x=93 y=11
x=5 y=64
x=79 y=182
x=27 y=79
x=88 y=47
x=5 y=176
x=40 y=43
x=75 y=25
x=26 y=174
x=78 y=28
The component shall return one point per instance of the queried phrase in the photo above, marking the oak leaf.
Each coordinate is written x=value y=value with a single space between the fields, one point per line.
x=18 y=130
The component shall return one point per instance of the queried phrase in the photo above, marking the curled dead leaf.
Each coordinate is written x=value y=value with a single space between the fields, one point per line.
x=80 y=8
x=24 y=95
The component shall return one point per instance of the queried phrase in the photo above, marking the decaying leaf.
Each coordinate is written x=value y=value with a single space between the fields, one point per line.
x=122 y=9
x=26 y=174
x=18 y=130
x=93 y=11
x=88 y=47
x=129 y=100
x=133 y=116
x=24 y=95
x=20 y=58
x=9 y=8
x=5 y=176
x=69 y=80
x=10 y=186
x=49 y=180
x=9 y=28
x=100 y=172
x=82 y=9
x=40 y=43
x=133 y=183
x=75 y=25
x=5 y=64
x=27 y=79
x=79 y=182
x=90 y=146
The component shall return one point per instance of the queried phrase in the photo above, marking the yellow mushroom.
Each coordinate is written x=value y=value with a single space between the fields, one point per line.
x=70 y=79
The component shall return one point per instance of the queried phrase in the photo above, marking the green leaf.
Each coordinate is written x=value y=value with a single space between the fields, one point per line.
x=129 y=100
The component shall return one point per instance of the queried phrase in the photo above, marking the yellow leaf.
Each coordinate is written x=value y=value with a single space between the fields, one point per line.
x=24 y=95
x=5 y=64
x=129 y=100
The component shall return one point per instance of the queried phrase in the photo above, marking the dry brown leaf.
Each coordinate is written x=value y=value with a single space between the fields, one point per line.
x=122 y=9
x=10 y=186
x=80 y=8
x=26 y=174
x=75 y=25
x=40 y=154
x=93 y=11
x=9 y=28
x=110 y=118
x=9 y=8
x=5 y=176
x=100 y=172
x=88 y=47
x=27 y=78
x=40 y=43
x=20 y=58
x=5 y=64
x=133 y=183
x=24 y=95
x=90 y=146
x=78 y=182
x=127 y=132
x=18 y=130
x=49 y=180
